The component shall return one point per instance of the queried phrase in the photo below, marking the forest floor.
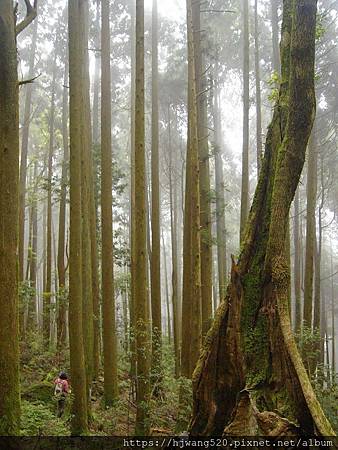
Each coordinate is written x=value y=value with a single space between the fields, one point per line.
x=40 y=368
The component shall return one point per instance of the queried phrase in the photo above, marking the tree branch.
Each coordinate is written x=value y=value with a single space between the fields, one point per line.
x=30 y=80
x=31 y=12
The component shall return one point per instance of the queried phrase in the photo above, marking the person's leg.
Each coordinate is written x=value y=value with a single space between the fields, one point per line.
x=61 y=407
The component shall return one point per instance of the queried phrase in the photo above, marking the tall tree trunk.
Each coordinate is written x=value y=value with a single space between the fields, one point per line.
x=96 y=87
x=86 y=199
x=311 y=196
x=317 y=308
x=250 y=366
x=140 y=242
x=48 y=289
x=259 y=144
x=246 y=107
x=62 y=307
x=220 y=203
x=275 y=37
x=34 y=251
x=133 y=363
x=24 y=150
x=174 y=246
x=108 y=295
x=9 y=212
x=191 y=305
x=76 y=19
x=155 y=265
x=94 y=204
x=166 y=286
x=333 y=342
x=204 y=173
x=297 y=259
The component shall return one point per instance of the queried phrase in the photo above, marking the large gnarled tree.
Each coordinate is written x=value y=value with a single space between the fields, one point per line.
x=250 y=378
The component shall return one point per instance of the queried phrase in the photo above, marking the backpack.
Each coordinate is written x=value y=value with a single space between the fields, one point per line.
x=58 y=391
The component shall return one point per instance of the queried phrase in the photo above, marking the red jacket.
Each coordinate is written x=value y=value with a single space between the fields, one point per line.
x=64 y=383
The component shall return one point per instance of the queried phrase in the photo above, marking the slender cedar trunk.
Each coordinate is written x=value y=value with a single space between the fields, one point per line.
x=220 y=203
x=95 y=284
x=96 y=89
x=311 y=196
x=28 y=261
x=259 y=144
x=24 y=150
x=250 y=352
x=140 y=246
x=204 y=172
x=214 y=288
x=246 y=106
x=48 y=289
x=166 y=289
x=125 y=302
x=34 y=250
x=297 y=259
x=275 y=37
x=317 y=307
x=174 y=248
x=191 y=305
x=108 y=296
x=76 y=18
x=94 y=204
x=133 y=366
x=333 y=333
x=155 y=265
x=323 y=332
x=9 y=215
x=62 y=306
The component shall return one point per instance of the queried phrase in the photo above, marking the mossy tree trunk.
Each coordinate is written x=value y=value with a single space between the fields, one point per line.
x=9 y=216
x=108 y=295
x=76 y=19
x=250 y=379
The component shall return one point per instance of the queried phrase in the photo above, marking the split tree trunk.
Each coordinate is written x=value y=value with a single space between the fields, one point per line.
x=250 y=367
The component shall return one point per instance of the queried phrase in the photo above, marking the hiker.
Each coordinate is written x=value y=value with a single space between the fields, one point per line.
x=61 y=391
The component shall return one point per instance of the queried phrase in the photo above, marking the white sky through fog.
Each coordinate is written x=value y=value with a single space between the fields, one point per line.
x=173 y=9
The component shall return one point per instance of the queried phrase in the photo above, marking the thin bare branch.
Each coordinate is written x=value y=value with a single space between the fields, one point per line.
x=30 y=80
x=31 y=12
